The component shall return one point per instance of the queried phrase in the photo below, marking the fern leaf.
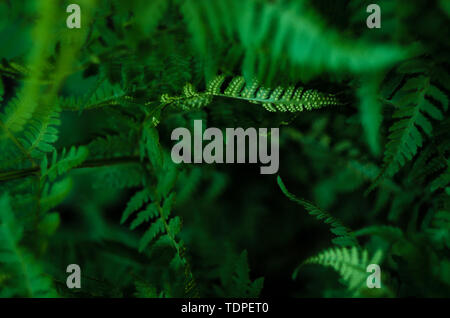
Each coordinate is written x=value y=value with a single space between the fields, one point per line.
x=150 y=212
x=66 y=162
x=414 y=110
x=350 y=263
x=278 y=37
x=37 y=138
x=413 y=106
x=241 y=278
x=104 y=95
x=135 y=203
x=344 y=237
x=290 y=99
x=112 y=146
x=154 y=229
x=442 y=180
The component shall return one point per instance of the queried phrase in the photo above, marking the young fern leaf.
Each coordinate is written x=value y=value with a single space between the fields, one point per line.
x=345 y=236
x=283 y=99
x=350 y=263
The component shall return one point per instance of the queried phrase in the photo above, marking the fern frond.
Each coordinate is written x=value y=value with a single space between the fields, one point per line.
x=414 y=108
x=283 y=99
x=36 y=139
x=66 y=162
x=345 y=236
x=135 y=203
x=40 y=134
x=113 y=145
x=433 y=161
x=439 y=231
x=350 y=263
x=104 y=95
x=443 y=180
x=127 y=175
x=243 y=286
x=280 y=36
x=161 y=224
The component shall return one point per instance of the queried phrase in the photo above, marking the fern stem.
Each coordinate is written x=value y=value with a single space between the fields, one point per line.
x=93 y=163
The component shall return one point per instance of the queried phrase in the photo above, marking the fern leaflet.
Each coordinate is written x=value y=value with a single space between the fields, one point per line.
x=290 y=99
x=350 y=263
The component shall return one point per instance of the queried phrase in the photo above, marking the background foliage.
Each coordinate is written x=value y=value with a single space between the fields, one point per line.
x=86 y=176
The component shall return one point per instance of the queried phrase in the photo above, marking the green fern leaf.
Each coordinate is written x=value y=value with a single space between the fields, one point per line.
x=279 y=36
x=412 y=108
x=66 y=162
x=135 y=203
x=344 y=235
x=150 y=212
x=155 y=228
x=443 y=180
x=290 y=99
x=350 y=263
x=243 y=286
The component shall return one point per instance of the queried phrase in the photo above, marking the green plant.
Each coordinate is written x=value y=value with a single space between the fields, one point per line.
x=86 y=175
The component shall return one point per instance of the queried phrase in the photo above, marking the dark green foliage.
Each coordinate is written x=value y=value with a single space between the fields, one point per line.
x=86 y=175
